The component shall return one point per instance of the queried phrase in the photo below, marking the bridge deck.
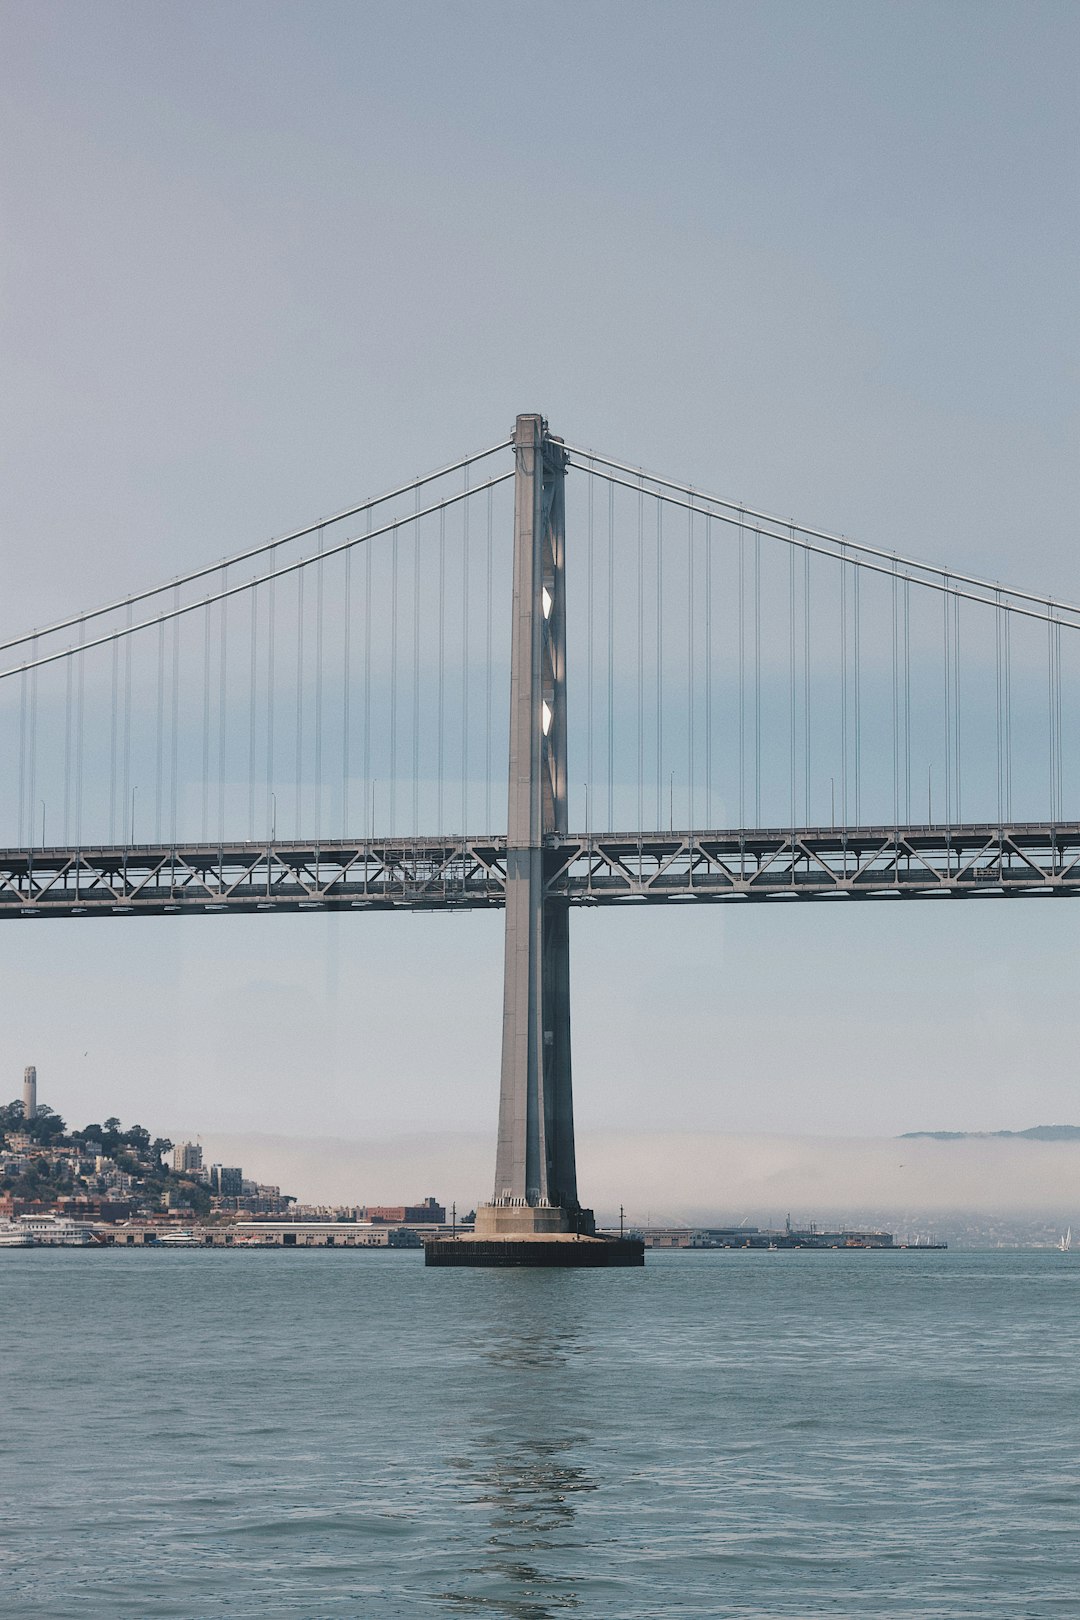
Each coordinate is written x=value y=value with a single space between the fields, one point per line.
x=421 y=874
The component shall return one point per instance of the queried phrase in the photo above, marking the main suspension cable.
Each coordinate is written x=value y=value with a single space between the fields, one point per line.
x=247 y=585
x=257 y=551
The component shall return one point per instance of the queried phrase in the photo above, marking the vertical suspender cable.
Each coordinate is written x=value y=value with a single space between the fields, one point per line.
x=159 y=752
x=611 y=658
x=299 y=741
x=465 y=539
x=487 y=663
x=80 y=704
x=690 y=667
x=174 y=772
x=806 y=687
x=205 y=833
x=742 y=674
x=843 y=689
x=590 y=632
x=253 y=685
x=114 y=729
x=708 y=673
x=640 y=657
x=32 y=747
x=947 y=617
x=392 y=822
x=68 y=673
x=907 y=702
x=369 y=805
x=416 y=675
x=271 y=616
x=957 y=704
x=757 y=680
x=223 y=708
x=895 y=699
x=792 y=713
x=127 y=720
x=440 y=748
x=320 y=594
x=1057 y=710
x=998 y=703
x=1057 y=718
x=659 y=664
x=21 y=827
x=1008 y=715
x=1050 y=715
x=346 y=695
x=858 y=695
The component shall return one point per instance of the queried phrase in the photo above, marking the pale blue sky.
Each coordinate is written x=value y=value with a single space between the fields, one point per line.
x=262 y=259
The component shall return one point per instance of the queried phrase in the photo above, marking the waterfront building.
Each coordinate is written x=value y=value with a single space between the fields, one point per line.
x=29 y=1092
x=429 y=1213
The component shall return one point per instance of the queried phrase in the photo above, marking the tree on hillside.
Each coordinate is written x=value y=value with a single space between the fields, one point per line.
x=46 y=1126
x=11 y=1117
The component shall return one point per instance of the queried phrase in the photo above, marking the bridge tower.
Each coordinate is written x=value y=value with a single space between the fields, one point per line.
x=535 y=1170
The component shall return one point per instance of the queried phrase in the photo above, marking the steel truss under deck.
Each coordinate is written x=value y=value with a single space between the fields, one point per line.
x=444 y=874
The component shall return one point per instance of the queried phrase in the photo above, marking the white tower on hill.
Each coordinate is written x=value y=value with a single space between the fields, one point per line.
x=29 y=1092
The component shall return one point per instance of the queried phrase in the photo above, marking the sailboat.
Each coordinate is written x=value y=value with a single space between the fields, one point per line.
x=1065 y=1243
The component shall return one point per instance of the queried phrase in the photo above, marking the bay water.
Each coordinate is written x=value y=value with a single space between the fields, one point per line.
x=326 y=1434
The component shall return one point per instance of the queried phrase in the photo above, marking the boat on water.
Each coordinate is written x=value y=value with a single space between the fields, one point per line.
x=53 y=1231
x=178 y=1240
x=1065 y=1242
x=16 y=1237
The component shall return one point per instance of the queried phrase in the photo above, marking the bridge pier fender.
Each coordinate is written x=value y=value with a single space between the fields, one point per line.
x=535 y=1217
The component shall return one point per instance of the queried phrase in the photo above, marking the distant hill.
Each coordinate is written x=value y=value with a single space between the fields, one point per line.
x=1034 y=1133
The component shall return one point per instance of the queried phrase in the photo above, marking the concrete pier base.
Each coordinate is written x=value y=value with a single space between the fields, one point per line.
x=510 y=1220
x=566 y=1249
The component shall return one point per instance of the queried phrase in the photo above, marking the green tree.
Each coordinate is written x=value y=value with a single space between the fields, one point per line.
x=47 y=1126
x=138 y=1139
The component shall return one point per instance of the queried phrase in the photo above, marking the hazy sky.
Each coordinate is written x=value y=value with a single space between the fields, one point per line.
x=262 y=259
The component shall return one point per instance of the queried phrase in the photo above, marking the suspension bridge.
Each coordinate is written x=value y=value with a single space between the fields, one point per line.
x=698 y=702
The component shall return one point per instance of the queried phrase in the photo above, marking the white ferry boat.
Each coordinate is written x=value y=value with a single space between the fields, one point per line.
x=178 y=1240
x=16 y=1237
x=54 y=1231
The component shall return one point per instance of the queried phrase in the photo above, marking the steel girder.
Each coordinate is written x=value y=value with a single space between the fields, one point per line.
x=444 y=874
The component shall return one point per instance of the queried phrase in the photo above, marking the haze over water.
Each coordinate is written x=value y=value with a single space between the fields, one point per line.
x=338 y=1435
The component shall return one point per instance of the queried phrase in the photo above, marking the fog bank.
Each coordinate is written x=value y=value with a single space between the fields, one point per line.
x=677 y=1176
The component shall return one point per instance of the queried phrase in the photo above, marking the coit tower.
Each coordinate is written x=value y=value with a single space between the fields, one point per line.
x=29 y=1092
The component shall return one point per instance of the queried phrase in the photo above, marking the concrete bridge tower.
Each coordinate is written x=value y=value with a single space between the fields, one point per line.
x=535 y=1171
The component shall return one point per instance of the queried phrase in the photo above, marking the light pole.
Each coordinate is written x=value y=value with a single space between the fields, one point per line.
x=273 y=818
x=131 y=830
x=585 y=785
x=43 y=823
